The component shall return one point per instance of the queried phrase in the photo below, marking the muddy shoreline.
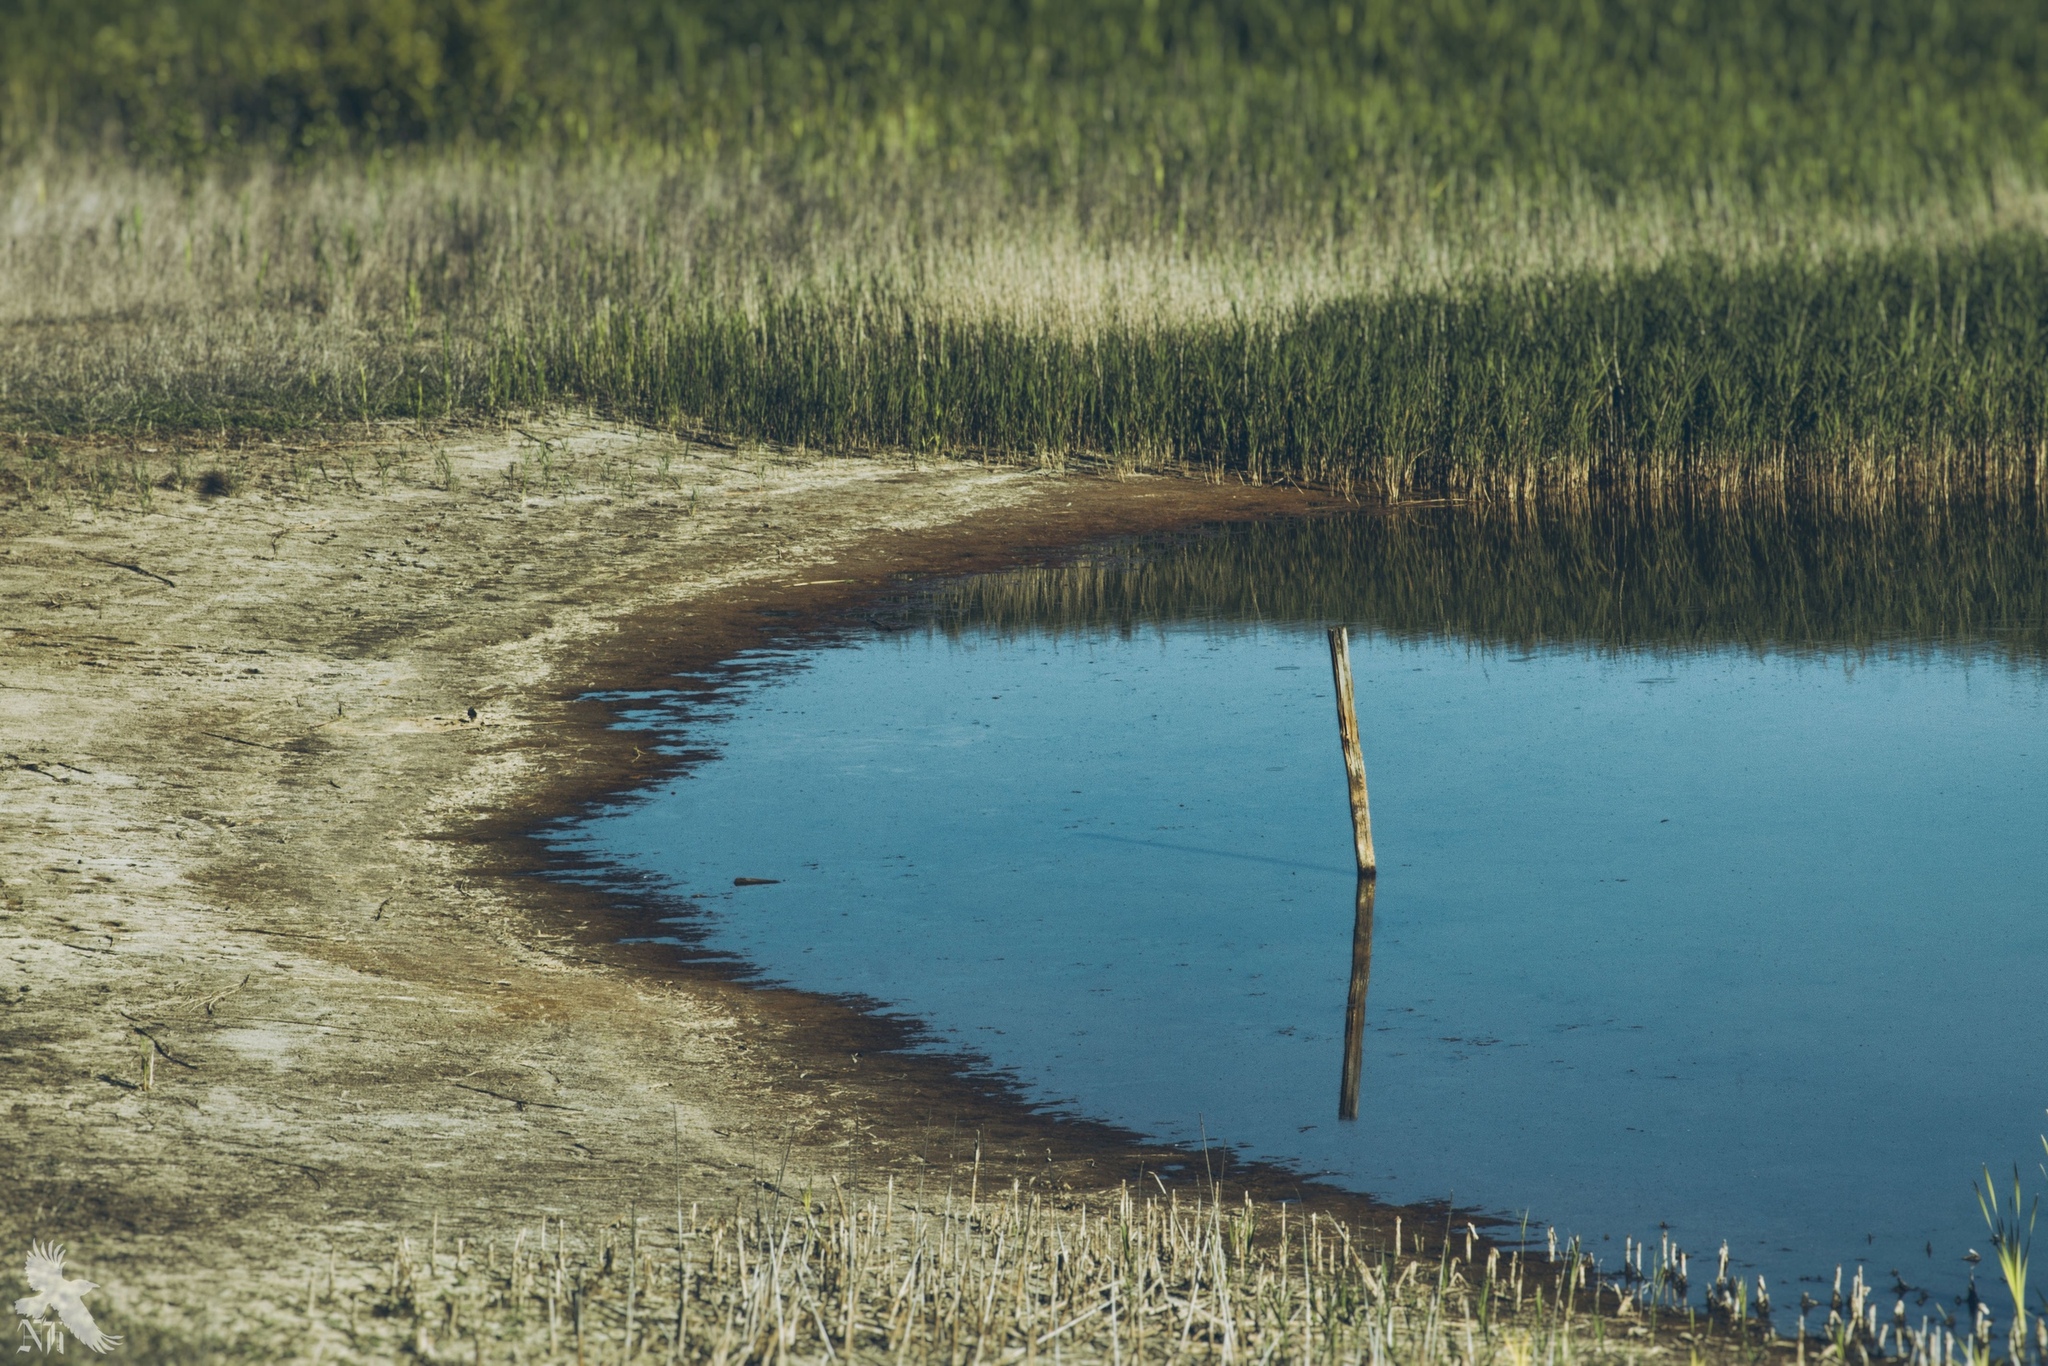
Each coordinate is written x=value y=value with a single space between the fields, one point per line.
x=286 y=973
x=838 y=1047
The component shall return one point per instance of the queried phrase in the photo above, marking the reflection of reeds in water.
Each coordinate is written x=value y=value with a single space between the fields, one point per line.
x=1620 y=573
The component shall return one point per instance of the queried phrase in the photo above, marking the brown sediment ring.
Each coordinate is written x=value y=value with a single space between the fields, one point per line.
x=935 y=1107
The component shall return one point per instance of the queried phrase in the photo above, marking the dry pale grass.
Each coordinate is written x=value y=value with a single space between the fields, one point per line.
x=815 y=1273
x=133 y=297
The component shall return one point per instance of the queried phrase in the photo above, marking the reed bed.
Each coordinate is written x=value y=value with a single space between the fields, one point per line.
x=825 y=1275
x=1774 y=569
x=1509 y=342
x=1417 y=249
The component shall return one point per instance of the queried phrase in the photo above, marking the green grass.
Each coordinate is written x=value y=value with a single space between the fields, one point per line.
x=1499 y=247
x=1808 y=96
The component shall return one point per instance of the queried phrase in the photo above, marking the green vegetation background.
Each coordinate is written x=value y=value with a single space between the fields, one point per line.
x=1833 y=96
x=1424 y=245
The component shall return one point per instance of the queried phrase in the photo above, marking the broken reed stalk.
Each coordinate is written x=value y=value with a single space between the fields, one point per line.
x=1354 y=757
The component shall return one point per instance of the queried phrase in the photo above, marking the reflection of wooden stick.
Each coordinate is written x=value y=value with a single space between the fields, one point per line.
x=1354 y=758
x=1354 y=1007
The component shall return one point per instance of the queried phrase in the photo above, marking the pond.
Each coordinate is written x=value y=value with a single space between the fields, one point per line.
x=1713 y=845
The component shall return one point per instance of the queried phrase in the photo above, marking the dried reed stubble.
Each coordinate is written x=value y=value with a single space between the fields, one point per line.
x=1191 y=1277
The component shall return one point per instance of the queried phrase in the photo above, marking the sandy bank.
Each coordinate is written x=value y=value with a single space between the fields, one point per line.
x=276 y=976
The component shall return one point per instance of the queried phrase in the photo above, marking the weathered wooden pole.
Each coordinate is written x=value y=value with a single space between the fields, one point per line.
x=1354 y=758
x=1354 y=1006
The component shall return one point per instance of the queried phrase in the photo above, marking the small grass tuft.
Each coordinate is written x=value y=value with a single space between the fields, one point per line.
x=2011 y=1223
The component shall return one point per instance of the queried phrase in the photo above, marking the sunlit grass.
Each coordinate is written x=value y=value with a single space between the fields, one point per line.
x=1428 y=247
x=1505 y=340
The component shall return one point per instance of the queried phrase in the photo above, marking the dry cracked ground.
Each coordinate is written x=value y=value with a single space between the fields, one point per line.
x=281 y=977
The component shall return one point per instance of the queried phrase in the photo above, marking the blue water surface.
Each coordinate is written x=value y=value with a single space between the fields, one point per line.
x=1752 y=945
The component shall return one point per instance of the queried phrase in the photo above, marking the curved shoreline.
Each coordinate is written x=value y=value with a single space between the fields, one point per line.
x=284 y=977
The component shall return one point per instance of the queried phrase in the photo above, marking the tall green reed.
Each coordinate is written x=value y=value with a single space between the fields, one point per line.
x=1890 y=364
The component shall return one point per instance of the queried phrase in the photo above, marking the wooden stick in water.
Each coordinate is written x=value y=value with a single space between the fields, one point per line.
x=1354 y=1007
x=1354 y=758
